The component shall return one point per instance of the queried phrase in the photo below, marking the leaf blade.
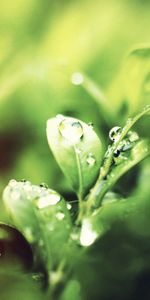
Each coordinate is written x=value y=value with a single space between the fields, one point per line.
x=72 y=157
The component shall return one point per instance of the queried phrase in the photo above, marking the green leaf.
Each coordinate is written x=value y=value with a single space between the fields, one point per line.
x=133 y=211
x=132 y=86
x=77 y=149
x=42 y=217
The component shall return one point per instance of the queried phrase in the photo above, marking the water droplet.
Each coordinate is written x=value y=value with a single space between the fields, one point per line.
x=27 y=186
x=88 y=235
x=15 y=194
x=49 y=199
x=74 y=236
x=71 y=130
x=43 y=185
x=36 y=190
x=90 y=124
x=116 y=153
x=60 y=216
x=69 y=206
x=114 y=133
x=118 y=160
x=23 y=180
x=60 y=117
x=77 y=78
x=90 y=159
x=12 y=183
x=26 y=182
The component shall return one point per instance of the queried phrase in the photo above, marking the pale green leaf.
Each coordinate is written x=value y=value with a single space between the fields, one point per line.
x=77 y=149
x=42 y=217
x=132 y=85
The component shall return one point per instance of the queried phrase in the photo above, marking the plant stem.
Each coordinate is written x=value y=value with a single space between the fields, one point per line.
x=102 y=186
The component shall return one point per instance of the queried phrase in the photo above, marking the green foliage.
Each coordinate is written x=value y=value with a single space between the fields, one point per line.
x=51 y=227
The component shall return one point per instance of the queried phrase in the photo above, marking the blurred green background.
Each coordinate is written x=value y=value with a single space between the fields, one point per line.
x=41 y=44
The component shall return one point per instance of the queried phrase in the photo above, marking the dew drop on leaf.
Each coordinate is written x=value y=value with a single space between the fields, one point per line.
x=90 y=159
x=12 y=183
x=114 y=133
x=15 y=194
x=74 y=236
x=60 y=216
x=71 y=130
x=48 y=200
x=90 y=124
x=77 y=78
x=88 y=235
x=26 y=182
x=23 y=180
x=43 y=185
x=27 y=186
x=60 y=117
x=116 y=153
x=69 y=206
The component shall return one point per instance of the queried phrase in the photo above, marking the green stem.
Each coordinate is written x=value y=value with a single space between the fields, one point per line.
x=121 y=169
x=102 y=186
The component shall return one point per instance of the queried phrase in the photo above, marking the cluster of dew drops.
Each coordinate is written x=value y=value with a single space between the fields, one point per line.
x=125 y=144
x=73 y=132
x=41 y=196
